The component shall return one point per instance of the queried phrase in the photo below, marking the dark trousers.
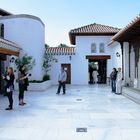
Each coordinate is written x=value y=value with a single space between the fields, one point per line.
x=113 y=85
x=62 y=84
x=10 y=98
x=21 y=92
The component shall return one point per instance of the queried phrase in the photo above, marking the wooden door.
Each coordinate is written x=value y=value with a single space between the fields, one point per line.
x=67 y=68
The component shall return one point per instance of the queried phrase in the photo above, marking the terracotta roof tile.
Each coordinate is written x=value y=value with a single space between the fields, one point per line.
x=95 y=28
x=4 y=12
x=133 y=26
x=60 y=51
x=92 y=29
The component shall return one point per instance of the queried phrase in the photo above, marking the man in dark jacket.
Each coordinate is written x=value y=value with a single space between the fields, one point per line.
x=62 y=81
x=113 y=77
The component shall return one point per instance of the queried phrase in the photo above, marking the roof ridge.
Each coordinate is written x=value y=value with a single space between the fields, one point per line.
x=109 y=26
x=60 y=47
x=92 y=24
x=92 y=29
x=129 y=25
x=60 y=51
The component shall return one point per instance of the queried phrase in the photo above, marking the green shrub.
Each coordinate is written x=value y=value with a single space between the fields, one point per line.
x=35 y=81
x=46 y=77
x=27 y=61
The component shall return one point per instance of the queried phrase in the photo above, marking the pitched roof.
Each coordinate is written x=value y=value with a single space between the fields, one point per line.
x=92 y=29
x=9 y=48
x=130 y=31
x=10 y=43
x=4 y=12
x=60 y=51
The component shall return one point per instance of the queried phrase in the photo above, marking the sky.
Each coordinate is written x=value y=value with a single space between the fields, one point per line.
x=60 y=16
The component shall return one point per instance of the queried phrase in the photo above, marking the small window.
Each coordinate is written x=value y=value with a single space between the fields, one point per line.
x=102 y=48
x=93 y=48
x=2 y=31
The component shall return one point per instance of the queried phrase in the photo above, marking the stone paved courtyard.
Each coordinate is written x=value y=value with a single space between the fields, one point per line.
x=48 y=116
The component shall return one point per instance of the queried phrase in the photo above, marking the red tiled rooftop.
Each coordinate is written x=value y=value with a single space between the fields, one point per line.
x=10 y=43
x=4 y=12
x=92 y=29
x=131 y=30
x=60 y=50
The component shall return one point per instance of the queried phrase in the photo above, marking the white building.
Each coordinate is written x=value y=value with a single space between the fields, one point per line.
x=91 y=46
x=29 y=33
x=20 y=35
x=128 y=42
x=106 y=46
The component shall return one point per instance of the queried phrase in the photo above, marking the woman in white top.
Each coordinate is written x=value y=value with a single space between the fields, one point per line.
x=95 y=76
x=119 y=82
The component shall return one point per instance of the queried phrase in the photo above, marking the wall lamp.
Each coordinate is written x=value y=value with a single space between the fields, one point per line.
x=117 y=54
x=12 y=60
x=70 y=57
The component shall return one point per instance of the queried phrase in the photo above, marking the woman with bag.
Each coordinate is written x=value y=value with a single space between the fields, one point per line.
x=22 y=78
x=9 y=78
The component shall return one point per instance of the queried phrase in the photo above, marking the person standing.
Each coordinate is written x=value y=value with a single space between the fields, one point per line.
x=113 y=77
x=9 y=78
x=22 y=84
x=62 y=81
x=119 y=82
x=95 y=76
x=5 y=93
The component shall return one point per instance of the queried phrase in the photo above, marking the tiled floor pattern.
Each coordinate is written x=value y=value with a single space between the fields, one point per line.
x=48 y=116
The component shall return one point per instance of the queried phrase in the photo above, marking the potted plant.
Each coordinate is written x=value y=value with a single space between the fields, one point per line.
x=41 y=85
x=47 y=61
x=27 y=61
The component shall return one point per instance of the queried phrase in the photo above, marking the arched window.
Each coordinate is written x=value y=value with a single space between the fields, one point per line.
x=2 y=31
x=93 y=48
x=102 y=48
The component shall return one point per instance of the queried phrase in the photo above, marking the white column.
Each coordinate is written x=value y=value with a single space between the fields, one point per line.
x=139 y=71
x=132 y=64
x=126 y=61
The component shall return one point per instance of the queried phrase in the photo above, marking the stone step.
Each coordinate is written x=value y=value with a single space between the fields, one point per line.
x=132 y=93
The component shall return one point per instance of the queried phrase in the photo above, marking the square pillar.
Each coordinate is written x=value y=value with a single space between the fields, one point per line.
x=138 y=85
x=132 y=64
x=126 y=61
x=136 y=51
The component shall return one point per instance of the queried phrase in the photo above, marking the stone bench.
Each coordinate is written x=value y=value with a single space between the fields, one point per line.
x=132 y=93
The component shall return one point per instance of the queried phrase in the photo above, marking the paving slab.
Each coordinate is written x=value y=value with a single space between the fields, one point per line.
x=48 y=116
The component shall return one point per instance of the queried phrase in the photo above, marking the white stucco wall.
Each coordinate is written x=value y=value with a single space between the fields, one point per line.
x=83 y=46
x=79 y=63
x=56 y=67
x=28 y=32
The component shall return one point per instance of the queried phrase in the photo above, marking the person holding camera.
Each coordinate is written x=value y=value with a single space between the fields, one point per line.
x=23 y=84
x=9 y=77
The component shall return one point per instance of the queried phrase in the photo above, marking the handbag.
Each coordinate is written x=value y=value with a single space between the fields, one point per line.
x=10 y=89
